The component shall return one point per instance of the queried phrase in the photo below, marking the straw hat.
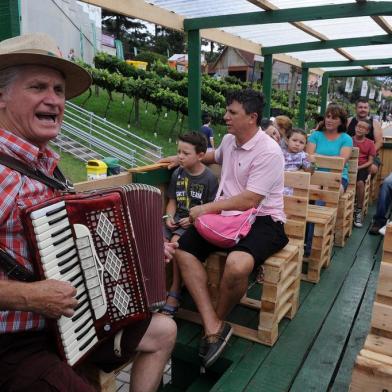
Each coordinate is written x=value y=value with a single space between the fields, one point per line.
x=41 y=49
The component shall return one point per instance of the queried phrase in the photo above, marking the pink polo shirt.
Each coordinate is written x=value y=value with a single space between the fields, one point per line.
x=257 y=166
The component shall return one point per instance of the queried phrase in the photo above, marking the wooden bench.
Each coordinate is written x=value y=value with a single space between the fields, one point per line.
x=373 y=366
x=325 y=187
x=344 y=220
x=282 y=271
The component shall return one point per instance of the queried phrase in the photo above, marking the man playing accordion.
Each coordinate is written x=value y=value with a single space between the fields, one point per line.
x=34 y=84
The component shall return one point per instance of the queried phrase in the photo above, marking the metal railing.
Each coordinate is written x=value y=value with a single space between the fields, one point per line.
x=93 y=135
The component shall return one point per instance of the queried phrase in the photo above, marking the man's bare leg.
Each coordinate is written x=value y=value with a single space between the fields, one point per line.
x=195 y=279
x=153 y=353
x=234 y=282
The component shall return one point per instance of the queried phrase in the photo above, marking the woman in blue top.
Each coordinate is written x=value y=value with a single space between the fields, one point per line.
x=332 y=139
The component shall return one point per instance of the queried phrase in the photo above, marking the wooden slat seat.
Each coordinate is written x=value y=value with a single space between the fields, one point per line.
x=366 y=197
x=344 y=220
x=325 y=187
x=282 y=271
x=373 y=366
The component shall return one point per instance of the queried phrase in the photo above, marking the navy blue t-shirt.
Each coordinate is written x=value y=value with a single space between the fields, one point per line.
x=208 y=132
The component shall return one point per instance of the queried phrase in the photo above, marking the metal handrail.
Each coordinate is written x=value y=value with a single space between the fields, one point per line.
x=92 y=132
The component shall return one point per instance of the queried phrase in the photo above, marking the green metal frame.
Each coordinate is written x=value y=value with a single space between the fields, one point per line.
x=330 y=44
x=346 y=63
x=267 y=85
x=370 y=8
x=361 y=72
x=194 y=80
x=303 y=99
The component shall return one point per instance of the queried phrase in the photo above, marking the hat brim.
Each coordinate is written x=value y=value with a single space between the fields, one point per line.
x=77 y=79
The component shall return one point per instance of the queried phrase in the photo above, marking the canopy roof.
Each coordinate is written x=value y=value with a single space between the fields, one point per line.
x=246 y=24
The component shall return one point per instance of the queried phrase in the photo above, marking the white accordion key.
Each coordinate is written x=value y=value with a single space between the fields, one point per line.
x=93 y=274
x=44 y=211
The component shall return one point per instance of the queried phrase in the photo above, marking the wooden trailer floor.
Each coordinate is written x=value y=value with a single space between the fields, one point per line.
x=315 y=351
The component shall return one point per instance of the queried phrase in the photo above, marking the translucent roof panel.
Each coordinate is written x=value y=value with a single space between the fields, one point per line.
x=370 y=52
x=318 y=55
x=346 y=27
x=286 y=33
x=271 y=34
x=199 y=8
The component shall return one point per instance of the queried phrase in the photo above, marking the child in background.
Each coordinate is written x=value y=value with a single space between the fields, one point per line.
x=367 y=152
x=191 y=184
x=294 y=155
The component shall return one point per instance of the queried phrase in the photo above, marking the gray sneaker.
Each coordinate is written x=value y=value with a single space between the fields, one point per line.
x=211 y=346
x=358 y=218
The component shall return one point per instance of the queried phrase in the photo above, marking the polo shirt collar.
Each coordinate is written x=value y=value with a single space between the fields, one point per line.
x=250 y=143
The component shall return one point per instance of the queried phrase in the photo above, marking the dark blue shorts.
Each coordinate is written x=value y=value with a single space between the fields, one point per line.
x=265 y=238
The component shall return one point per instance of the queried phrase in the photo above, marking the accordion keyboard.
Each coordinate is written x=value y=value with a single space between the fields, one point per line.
x=74 y=262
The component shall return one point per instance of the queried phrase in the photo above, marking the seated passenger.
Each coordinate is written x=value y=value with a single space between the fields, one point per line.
x=192 y=184
x=294 y=155
x=362 y=112
x=367 y=152
x=332 y=139
x=252 y=172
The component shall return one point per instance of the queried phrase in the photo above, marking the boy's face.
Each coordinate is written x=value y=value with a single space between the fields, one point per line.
x=361 y=129
x=296 y=143
x=187 y=155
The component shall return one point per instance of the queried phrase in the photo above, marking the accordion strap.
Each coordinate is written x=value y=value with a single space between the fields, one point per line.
x=58 y=181
x=8 y=264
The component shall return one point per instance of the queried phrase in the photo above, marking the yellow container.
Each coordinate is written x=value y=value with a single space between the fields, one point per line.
x=138 y=64
x=96 y=169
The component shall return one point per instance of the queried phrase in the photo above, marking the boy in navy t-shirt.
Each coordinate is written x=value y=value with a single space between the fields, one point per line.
x=191 y=184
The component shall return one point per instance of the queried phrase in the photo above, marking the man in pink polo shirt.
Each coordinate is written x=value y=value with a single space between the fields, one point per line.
x=252 y=171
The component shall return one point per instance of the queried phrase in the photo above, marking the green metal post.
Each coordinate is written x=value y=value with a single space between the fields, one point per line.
x=194 y=80
x=304 y=96
x=267 y=85
x=324 y=93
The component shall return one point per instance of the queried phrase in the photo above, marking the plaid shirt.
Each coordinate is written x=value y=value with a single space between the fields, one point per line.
x=19 y=191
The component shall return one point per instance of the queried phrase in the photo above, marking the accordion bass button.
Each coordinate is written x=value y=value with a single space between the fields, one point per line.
x=107 y=327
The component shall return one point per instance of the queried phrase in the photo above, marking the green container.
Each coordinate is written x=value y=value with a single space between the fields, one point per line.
x=113 y=165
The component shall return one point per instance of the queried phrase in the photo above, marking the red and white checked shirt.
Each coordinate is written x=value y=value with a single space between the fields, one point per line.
x=18 y=191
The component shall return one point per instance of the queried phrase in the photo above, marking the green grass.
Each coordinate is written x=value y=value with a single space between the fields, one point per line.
x=72 y=168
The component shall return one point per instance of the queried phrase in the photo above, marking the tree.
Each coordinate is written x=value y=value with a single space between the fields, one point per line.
x=132 y=33
x=168 y=41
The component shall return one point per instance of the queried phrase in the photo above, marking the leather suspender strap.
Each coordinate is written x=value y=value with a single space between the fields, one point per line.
x=8 y=264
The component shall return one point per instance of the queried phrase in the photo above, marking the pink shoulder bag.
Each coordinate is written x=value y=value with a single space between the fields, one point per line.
x=225 y=231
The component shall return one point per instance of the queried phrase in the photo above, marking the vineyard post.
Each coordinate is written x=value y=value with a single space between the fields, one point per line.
x=267 y=85
x=324 y=93
x=303 y=98
x=194 y=80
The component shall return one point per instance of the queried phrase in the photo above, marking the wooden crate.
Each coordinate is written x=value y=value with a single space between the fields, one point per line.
x=373 y=365
x=325 y=187
x=344 y=221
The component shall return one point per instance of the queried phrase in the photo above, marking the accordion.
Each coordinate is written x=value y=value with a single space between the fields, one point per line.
x=109 y=245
